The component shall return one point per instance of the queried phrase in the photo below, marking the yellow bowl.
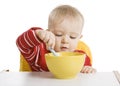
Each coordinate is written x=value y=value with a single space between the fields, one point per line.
x=66 y=65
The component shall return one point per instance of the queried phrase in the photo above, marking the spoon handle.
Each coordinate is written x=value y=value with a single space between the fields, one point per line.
x=53 y=51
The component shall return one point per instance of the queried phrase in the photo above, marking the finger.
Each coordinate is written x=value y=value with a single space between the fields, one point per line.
x=83 y=69
x=50 y=43
x=46 y=38
x=53 y=40
x=86 y=69
x=50 y=40
x=90 y=70
x=53 y=45
x=42 y=35
x=94 y=71
x=47 y=47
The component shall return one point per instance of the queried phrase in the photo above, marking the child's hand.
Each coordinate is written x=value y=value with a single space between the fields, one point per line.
x=88 y=69
x=47 y=37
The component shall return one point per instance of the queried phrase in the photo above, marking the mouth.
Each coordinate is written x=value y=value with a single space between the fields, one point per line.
x=64 y=48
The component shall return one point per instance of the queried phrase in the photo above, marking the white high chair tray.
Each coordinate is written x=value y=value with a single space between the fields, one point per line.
x=47 y=79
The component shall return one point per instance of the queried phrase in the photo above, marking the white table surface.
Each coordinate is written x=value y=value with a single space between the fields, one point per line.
x=47 y=79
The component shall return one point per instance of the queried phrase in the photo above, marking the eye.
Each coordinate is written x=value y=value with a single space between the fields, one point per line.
x=59 y=35
x=72 y=37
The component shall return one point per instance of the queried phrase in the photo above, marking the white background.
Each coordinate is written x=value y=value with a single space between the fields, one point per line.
x=101 y=30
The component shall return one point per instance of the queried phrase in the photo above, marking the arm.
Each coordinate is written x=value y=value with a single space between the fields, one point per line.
x=29 y=45
x=27 y=41
x=87 y=68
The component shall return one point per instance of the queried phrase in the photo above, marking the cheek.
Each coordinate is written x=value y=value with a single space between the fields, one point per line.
x=57 y=40
x=74 y=44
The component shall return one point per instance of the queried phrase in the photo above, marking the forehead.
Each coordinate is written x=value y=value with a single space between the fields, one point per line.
x=69 y=25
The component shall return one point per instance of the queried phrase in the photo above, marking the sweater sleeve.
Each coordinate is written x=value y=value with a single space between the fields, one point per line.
x=30 y=46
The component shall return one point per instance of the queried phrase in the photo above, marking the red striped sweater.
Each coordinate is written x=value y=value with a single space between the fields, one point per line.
x=33 y=50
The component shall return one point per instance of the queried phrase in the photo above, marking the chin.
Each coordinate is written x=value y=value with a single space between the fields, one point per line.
x=65 y=50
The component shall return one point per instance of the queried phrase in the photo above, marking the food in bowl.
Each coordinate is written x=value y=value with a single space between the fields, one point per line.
x=66 y=65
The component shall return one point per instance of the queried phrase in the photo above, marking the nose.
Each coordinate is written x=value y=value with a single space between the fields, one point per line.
x=65 y=39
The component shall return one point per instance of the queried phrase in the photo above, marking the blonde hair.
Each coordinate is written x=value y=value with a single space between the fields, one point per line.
x=63 y=11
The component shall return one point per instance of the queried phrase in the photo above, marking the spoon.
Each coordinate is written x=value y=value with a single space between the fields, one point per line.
x=53 y=51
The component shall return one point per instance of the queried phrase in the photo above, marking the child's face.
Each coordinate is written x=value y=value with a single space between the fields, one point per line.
x=67 y=35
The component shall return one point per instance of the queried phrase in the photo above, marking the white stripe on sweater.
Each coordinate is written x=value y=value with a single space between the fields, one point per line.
x=31 y=55
x=30 y=39
x=37 y=57
x=22 y=47
x=26 y=40
x=35 y=68
x=35 y=37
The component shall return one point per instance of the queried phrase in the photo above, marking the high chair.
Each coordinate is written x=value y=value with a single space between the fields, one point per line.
x=24 y=66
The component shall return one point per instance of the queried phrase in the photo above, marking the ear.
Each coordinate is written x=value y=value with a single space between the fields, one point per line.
x=81 y=36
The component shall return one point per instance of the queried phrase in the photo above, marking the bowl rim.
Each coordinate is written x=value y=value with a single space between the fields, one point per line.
x=70 y=54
